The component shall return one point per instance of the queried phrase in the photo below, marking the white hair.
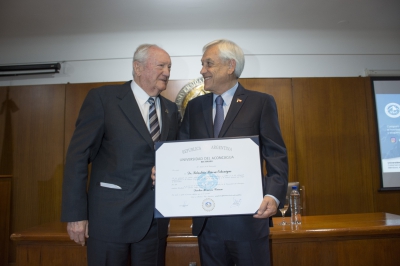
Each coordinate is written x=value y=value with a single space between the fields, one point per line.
x=229 y=50
x=142 y=53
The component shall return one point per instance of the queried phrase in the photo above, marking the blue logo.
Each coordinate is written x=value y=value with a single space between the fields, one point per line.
x=392 y=110
x=207 y=181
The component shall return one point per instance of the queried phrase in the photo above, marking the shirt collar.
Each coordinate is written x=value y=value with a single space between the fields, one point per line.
x=141 y=96
x=228 y=95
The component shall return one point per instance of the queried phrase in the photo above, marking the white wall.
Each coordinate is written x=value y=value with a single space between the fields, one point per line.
x=107 y=57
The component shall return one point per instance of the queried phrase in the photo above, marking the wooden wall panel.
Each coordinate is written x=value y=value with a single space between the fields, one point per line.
x=5 y=207
x=281 y=89
x=37 y=128
x=7 y=107
x=328 y=125
x=333 y=144
x=5 y=170
x=3 y=100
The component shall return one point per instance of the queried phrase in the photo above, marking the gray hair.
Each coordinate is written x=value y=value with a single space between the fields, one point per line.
x=229 y=50
x=142 y=53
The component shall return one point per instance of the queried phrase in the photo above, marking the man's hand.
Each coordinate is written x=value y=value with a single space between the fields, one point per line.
x=153 y=175
x=78 y=231
x=267 y=208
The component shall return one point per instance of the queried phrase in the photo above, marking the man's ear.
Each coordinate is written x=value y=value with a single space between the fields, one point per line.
x=137 y=67
x=232 y=66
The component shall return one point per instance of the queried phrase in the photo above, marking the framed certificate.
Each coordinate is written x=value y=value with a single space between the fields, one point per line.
x=208 y=177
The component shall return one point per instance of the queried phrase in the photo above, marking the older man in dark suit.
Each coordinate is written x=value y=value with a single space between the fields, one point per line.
x=232 y=111
x=115 y=131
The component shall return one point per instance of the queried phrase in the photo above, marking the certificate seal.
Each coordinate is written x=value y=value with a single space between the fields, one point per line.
x=208 y=205
x=207 y=181
x=191 y=90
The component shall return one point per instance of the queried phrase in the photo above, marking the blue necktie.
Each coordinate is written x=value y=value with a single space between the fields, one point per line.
x=219 y=116
x=153 y=120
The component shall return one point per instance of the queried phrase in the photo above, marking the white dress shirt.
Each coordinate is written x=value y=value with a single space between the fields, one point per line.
x=142 y=100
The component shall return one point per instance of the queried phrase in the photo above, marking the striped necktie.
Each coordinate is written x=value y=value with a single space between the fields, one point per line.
x=153 y=120
x=219 y=115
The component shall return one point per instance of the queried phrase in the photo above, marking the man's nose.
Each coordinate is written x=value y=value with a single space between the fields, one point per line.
x=166 y=71
x=203 y=70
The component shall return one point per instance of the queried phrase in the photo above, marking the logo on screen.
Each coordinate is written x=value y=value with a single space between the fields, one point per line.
x=392 y=110
x=393 y=140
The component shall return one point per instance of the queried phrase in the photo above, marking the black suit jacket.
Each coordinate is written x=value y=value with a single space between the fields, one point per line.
x=250 y=113
x=112 y=135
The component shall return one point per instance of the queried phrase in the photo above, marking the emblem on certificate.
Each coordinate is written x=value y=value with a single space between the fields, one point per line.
x=208 y=205
x=208 y=177
x=207 y=181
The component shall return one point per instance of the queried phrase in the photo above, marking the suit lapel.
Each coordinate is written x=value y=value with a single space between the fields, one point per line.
x=130 y=108
x=237 y=102
x=207 y=105
x=165 y=119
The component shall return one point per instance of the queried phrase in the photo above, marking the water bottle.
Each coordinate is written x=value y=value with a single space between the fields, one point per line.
x=295 y=206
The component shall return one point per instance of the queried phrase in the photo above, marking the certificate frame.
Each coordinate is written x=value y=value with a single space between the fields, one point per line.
x=208 y=177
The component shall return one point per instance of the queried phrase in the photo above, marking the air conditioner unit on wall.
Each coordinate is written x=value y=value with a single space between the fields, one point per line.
x=17 y=70
x=382 y=73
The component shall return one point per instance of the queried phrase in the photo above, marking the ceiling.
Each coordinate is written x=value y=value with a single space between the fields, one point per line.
x=21 y=18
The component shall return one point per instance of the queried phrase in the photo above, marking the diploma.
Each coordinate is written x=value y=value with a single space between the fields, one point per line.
x=208 y=177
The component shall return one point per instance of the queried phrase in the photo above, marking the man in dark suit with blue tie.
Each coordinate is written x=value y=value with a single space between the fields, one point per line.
x=115 y=132
x=232 y=111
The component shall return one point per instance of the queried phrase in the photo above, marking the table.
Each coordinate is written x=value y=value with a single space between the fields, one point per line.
x=347 y=239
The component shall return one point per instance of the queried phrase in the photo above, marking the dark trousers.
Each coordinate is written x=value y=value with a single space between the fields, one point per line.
x=150 y=251
x=215 y=251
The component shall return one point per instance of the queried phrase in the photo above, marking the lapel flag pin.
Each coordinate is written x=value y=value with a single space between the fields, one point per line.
x=238 y=100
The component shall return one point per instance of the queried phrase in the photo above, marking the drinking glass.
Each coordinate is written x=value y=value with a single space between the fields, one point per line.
x=283 y=211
